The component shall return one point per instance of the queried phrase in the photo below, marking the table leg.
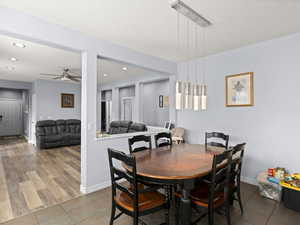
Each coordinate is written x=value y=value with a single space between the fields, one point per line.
x=185 y=211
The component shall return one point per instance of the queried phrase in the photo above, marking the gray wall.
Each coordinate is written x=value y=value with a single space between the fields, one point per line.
x=269 y=127
x=153 y=115
x=48 y=100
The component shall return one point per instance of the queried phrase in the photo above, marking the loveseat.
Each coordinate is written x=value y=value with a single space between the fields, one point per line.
x=123 y=126
x=57 y=133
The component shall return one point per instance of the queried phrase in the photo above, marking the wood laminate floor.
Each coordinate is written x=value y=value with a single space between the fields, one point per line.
x=32 y=179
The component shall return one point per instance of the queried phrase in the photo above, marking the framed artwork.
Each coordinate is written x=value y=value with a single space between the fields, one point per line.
x=67 y=100
x=163 y=101
x=239 y=90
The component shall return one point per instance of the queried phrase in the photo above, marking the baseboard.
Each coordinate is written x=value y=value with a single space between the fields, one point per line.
x=93 y=188
x=249 y=180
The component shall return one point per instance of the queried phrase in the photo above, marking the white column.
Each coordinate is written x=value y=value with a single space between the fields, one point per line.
x=88 y=115
x=137 y=94
x=115 y=114
x=172 y=109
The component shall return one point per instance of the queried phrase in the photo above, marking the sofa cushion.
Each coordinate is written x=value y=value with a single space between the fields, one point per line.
x=46 y=127
x=53 y=138
x=61 y=126
x=119 y=127
x=137 y=127
x=73 y=126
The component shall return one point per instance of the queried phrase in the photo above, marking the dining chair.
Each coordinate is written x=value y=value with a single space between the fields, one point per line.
x=138 y=139
x=216 y=135
x=163 y=139
x=213 y=192
x=177 y=135
x=126 y=196
x=236 y=170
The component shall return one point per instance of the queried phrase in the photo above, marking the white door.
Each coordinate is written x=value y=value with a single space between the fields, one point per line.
x=127 y=108
x=10 y=118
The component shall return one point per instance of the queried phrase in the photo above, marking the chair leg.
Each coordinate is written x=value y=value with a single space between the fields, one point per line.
x=227 y=211
x=113 y=212
x=210 y=216
x=240 y=199
x=135 y=220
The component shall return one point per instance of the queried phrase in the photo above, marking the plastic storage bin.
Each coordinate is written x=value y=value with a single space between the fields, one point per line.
x=291 y=195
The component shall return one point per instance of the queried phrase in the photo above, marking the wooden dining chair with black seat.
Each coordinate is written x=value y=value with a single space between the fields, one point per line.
x=163 y=139
x=213 y=193
x=126 y=196
x=139 y=139
x=216 y=135
x=236 y=171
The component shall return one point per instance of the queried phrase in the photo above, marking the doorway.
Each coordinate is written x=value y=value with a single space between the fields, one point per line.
x=127 y=107
x=11 y=123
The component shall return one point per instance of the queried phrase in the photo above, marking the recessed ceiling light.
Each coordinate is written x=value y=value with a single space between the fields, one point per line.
x=105 y=75
x=13 y=59
x=124 y=68
x=20 y=45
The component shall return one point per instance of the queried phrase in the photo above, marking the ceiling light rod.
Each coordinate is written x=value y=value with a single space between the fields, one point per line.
x=187 y=11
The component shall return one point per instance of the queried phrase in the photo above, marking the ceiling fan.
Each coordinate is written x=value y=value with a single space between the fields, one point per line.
x=66 y=75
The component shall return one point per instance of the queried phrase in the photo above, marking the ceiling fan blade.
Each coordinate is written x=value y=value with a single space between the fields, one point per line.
x=71 y=71
x=74 y=79
x=76 y=76
x=47 y=74
x=57 y=78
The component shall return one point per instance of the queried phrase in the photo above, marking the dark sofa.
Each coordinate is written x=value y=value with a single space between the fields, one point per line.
x=56 y=133
x=121 y=127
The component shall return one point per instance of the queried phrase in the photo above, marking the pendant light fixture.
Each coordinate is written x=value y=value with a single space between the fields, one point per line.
x=180 y=90
x=204 y=86
x=190 y=96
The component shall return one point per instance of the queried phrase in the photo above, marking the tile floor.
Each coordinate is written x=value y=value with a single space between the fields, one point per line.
x=94 y=209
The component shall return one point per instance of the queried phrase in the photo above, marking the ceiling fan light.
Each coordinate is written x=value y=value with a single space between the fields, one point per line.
x=20 y=45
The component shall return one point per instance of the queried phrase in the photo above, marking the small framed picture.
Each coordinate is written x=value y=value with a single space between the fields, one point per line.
x=67 y=100
x=239 y=90
x=161 y=101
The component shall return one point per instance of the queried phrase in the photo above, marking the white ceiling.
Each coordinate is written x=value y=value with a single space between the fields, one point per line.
x=36 y=58
x=149 y=26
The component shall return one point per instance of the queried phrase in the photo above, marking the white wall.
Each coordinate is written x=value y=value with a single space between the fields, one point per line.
x=153 y=115
x=48 y=100
x=271 y=127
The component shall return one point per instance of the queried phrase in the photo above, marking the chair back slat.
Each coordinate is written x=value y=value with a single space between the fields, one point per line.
x=216 y=135
x=118 y=175
x=125 y=189
x=163 y=139
x=220 y=175
x=237 y=161
x=138 y=139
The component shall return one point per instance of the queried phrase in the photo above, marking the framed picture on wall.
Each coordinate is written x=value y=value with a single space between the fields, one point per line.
x=67 y=100
x=161 y=101
x=239 y=90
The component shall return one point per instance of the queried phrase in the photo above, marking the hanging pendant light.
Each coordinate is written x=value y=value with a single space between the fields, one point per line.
x=204 y=86
x=188 y=95
x=203 y=97
x=179 y=95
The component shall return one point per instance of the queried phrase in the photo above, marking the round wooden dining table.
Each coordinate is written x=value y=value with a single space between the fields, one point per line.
x=177 y=164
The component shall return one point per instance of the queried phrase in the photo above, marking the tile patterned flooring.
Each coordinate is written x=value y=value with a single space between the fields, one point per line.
x=94 y=209
x=32 y=179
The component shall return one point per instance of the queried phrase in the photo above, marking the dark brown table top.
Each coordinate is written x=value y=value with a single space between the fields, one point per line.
x=183 y=161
